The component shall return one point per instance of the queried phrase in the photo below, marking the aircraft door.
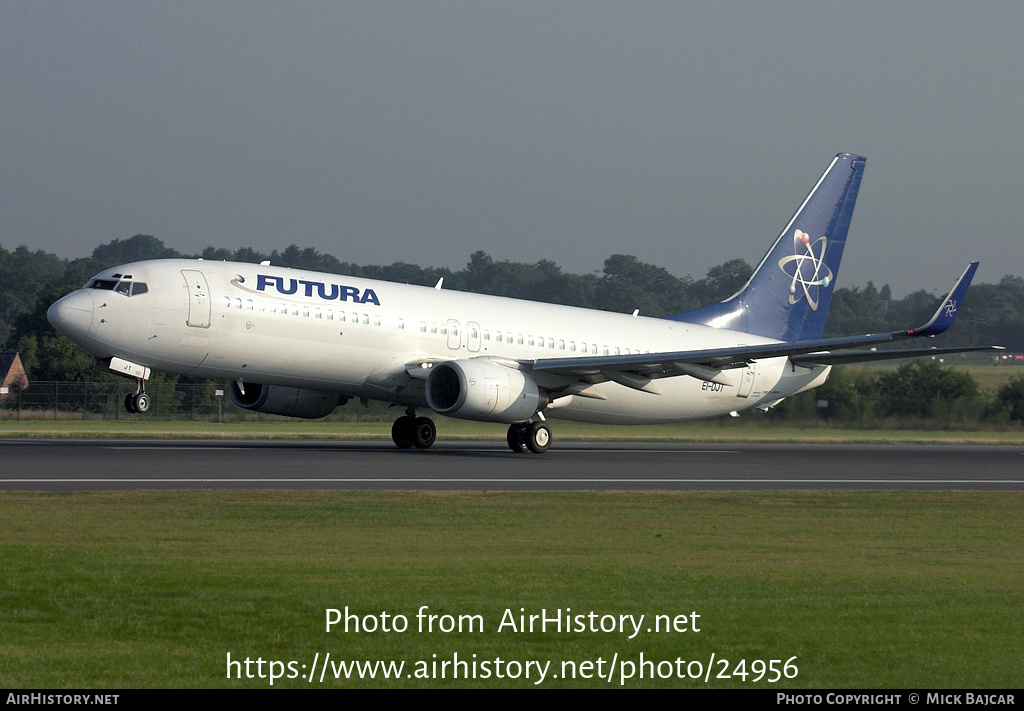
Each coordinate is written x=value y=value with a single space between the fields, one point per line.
x=454 y=335
x=198 y=298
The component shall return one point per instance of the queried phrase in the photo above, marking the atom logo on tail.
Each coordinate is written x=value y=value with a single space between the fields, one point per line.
x=805 y=260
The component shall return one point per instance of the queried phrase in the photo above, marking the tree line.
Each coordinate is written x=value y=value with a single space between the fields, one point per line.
x=31 y=280
x=918 y=393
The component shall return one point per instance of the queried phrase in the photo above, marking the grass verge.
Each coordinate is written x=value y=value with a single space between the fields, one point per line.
x=865 y=589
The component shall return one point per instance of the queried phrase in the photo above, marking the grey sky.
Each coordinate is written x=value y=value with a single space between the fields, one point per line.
x=685 y=133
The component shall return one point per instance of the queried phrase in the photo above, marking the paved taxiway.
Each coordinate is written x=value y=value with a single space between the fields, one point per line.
x=102 y=465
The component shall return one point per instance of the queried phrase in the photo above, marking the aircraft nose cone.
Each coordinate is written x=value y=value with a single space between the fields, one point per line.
x=72 y=315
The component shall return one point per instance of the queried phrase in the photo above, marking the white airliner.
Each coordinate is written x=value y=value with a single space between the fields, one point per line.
x=299 y=343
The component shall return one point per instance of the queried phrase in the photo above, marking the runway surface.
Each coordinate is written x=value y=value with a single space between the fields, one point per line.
x=108 y=465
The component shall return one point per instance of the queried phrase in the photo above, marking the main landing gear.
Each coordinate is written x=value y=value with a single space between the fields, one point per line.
x=412 y=431
x=529 y=436
x=139 y=402
x=420 y=432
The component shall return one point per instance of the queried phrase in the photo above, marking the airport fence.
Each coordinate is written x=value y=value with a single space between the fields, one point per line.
x=105 y=401
x=210 y=402
x=170 y=401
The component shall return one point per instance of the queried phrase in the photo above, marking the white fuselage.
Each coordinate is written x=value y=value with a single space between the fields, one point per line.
x=359 y=337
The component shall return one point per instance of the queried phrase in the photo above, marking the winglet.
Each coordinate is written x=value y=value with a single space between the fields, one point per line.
x=944 y=315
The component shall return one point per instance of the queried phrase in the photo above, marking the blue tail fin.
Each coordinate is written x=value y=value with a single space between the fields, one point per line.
x=787 y=297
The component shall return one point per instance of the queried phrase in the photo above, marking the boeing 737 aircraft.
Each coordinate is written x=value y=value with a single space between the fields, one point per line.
x=300 y=343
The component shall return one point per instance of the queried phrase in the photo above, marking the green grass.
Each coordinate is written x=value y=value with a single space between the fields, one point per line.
x=866 y=589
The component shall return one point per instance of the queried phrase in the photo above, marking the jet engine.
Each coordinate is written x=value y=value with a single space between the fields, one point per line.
x=483 y=390
x=291 y=402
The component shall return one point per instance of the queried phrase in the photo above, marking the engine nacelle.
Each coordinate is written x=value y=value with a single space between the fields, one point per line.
x=482 y=390
x=291 y=402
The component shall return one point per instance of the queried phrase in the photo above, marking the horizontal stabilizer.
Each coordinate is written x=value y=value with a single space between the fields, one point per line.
x=869 y=356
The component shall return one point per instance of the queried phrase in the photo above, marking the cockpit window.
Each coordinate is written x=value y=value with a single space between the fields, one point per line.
x=128 y=288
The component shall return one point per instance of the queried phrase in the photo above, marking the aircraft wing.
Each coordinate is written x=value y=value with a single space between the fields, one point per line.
x=638 y=369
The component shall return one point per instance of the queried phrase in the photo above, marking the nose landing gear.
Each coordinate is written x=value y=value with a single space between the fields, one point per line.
x=139 y=402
